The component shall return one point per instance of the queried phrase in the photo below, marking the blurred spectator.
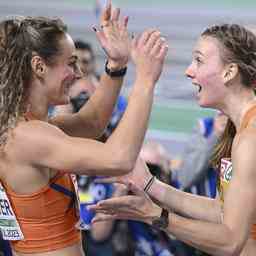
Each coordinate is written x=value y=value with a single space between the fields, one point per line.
x=86 y=61
x=131 y=237
x=5 y=248
x=110 y=237
x=194 y=165
x=149 y=241
x=193 y=172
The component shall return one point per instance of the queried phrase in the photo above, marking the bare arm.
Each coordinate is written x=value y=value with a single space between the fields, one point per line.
x=227 y=237
x=92 y=119
x=230 y=236
x=50 y=147
x=186 y=204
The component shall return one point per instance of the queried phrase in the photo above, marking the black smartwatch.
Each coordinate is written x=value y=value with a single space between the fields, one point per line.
x=162 y=221
x=115 y=73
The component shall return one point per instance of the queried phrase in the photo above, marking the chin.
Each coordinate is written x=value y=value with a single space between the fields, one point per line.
x=203 y=103
x=61 y=101
x=206 y=104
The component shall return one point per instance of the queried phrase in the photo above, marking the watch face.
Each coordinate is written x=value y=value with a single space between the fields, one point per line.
x=162 y=221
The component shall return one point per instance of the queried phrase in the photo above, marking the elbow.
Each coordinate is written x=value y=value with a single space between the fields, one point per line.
x=123 y=163
x=125 y=166
x=98 y=129
x=234 y=248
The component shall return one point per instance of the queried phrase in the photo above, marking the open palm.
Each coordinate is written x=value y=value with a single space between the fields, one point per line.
x=113 y=35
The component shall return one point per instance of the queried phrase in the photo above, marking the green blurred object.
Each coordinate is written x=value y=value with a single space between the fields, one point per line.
x=174 y=3
x=177 y=117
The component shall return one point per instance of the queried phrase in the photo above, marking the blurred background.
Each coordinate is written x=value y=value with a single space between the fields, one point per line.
x=175 y=111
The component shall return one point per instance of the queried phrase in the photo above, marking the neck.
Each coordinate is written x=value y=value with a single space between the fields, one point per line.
x=38 y=105
x=238 y=104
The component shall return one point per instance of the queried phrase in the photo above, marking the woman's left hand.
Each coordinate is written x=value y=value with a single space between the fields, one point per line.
x=113 y=37
x=137 y=206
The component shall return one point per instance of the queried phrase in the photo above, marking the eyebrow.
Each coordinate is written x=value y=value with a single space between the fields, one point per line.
x=198 y=52
x=74 y=57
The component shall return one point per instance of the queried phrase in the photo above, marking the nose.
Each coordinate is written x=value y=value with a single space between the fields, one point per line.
x=78 y=72
x=189 y=72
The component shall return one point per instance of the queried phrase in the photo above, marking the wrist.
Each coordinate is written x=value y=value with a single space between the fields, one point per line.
x=148 y=183
x=145 y=82
x=116 y=65
x=154 y=214
x=162 y=221
x=158 y=190
x=113 y=72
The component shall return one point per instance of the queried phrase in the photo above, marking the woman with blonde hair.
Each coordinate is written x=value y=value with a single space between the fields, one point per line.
x=223 y=69
x=38 y=65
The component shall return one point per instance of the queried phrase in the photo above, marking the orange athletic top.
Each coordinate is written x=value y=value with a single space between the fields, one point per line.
x=47 y=217
x=226 y=165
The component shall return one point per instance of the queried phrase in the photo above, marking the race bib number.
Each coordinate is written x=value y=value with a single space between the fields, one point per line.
x=80 y=224
x=9 y=225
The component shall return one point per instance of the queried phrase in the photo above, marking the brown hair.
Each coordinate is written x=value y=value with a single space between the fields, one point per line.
x=20 y=39
x=238 y=45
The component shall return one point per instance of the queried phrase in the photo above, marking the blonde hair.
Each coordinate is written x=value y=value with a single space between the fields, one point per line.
x=20 y=38
x=238 y=45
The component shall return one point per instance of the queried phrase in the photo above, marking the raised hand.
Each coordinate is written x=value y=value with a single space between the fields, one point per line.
x=113 y=36
x=138 y=206
x=148 y=52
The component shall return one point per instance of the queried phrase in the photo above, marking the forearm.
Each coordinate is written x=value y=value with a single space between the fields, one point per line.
x=102 y=102
x=129 y=135
x=212 y=238
x=189 y=205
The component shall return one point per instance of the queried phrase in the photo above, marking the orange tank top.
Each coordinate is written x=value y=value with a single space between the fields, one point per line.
x=47 y=217
x=226 y=164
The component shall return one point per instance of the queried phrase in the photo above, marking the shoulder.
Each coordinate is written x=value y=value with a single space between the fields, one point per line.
x=34 y=128
x=29 y=138
x=243 y=151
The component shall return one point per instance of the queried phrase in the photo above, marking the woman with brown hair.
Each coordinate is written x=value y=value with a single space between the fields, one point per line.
x=223 y=69
x=38 y=65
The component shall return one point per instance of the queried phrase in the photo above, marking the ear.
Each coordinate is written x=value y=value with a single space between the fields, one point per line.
x=230 y=72
x=38 y=66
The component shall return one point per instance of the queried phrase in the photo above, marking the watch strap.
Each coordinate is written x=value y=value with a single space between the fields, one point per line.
x=163 y=221
x=115 y=73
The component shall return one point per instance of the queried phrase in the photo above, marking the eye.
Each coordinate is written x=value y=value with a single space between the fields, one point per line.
x=74 y=65
x=198 y=60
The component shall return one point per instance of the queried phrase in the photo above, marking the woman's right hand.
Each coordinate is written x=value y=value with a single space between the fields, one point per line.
x=137 y=206
x=148 y=52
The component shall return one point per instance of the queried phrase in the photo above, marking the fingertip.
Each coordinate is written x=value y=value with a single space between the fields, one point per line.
x=108 y=5
x=126 y=20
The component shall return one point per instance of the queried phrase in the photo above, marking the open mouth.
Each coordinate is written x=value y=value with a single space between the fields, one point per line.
x=198 y=86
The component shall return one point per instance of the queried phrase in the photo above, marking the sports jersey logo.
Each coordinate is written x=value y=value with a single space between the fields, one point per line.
x=226 y=169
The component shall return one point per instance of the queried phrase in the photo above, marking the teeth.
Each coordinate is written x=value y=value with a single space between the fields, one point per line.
x=198 y=86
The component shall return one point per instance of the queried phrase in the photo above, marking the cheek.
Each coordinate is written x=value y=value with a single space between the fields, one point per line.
x=210 y=78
